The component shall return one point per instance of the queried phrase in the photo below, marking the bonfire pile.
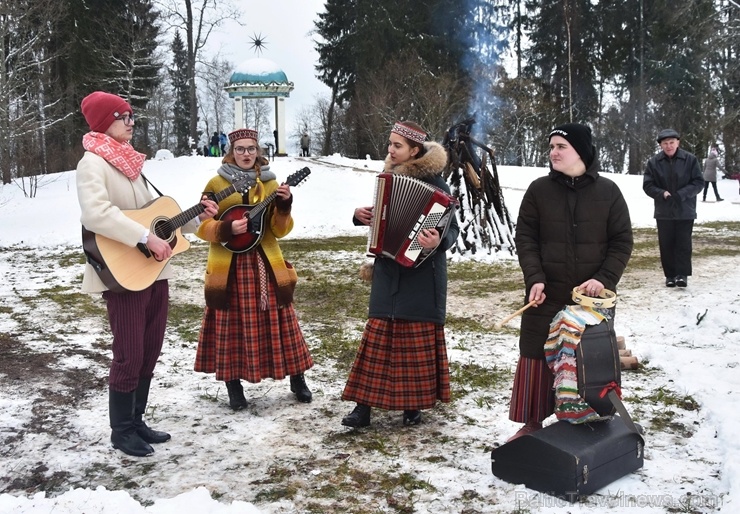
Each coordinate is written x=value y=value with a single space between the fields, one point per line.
x=485 y=224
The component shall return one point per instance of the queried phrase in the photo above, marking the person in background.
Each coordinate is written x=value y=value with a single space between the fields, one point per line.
x=250 y=330
x=710 y=173
x=573 y=229
x=402 y=360
x=223 y=141
x=673 y=179
x=215 y=145
x=109 y=180
x=305 y=145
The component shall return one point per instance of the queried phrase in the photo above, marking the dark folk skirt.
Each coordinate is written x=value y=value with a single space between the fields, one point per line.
x=400 y=365
x=532 y=398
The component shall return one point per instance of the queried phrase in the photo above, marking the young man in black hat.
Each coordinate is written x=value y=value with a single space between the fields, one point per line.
x=573 y=230
x=673 y=179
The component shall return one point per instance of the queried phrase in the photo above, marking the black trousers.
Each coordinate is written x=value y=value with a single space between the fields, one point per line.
x=674 y=240
x=706 y=188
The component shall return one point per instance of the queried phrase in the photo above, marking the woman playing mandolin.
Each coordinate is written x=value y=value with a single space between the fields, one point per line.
x=250 y=330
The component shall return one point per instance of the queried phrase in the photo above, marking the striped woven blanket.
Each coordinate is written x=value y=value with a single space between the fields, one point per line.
x=560 y=353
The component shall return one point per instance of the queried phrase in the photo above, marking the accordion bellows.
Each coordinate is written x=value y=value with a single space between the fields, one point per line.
x=403 y=206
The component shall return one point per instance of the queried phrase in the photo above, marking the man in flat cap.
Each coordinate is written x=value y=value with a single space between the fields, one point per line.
x=673 y=179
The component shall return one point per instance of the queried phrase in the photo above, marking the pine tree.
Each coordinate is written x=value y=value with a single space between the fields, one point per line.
x=725 y=66
x=179 y=78
x=561 y=56
x=426 y=40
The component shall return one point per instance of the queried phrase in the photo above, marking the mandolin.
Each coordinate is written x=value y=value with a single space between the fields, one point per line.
x=255 y=214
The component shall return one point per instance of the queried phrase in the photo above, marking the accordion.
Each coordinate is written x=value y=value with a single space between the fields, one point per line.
x=403 y=206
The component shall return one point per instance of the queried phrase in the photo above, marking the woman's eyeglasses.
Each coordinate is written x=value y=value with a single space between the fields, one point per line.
x=241 y=150
x=127 y=119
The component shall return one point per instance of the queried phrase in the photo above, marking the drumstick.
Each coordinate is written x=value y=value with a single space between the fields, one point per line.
x=515 y=314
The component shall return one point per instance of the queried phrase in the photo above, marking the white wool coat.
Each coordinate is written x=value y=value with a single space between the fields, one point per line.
x=103 y=192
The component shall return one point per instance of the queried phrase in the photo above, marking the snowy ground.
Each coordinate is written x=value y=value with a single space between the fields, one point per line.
x=54 y=427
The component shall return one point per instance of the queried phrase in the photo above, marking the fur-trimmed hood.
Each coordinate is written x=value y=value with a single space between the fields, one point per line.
x=432 y=163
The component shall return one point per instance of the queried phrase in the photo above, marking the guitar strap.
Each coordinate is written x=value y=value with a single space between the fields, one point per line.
x=155 y=187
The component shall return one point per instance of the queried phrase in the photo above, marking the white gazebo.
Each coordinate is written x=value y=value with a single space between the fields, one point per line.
x=260 y=78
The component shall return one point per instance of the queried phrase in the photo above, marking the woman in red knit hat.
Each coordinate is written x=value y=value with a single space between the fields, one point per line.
x=109 y=180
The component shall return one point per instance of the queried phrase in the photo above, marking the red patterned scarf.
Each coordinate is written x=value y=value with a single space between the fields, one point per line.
x=121 y=156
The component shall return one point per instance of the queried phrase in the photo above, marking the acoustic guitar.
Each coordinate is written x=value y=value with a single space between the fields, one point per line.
x=134 y=268
x=255 y=215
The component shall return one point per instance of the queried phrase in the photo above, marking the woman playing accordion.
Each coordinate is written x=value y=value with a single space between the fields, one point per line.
x=402 y=360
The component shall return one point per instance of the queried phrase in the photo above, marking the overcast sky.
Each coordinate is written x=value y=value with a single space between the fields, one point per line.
x=285 y=25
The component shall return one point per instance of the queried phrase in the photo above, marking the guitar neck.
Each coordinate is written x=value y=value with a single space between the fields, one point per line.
x=187 y=215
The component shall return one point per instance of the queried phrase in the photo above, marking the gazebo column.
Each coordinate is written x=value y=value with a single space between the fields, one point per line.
x=280 y=124
x=238 y=113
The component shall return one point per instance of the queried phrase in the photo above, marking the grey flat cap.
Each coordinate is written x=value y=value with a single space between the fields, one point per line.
x=666 y=133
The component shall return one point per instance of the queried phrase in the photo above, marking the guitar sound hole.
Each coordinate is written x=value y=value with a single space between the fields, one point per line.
x=163 y=230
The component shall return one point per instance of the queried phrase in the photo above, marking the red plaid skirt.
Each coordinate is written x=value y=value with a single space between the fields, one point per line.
x=400 y=365
x=246 y=341
x=533 y=397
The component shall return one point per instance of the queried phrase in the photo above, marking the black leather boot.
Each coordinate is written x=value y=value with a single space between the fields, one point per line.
x=359 y=417
x=411 y=417
x=299 y=387
x=123 y=432
x=146 y=433
x=236 y=395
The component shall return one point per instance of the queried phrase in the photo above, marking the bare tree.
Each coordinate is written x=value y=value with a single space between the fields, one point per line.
x=215 y=108
x=159 y=112
x=24 y=76
x=404 y=89
x=257 y=116
x=311 y=119
x=197 y=20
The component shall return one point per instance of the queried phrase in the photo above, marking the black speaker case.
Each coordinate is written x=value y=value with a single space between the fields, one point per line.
x=569 y=461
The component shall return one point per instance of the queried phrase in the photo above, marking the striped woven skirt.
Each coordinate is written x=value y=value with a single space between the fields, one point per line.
x=400 y=365
x=246 y=341
x=532 y=397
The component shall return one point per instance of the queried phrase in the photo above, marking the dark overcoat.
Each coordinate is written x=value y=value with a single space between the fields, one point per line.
x=415 y=294
x=569 y=230
x=680 y=176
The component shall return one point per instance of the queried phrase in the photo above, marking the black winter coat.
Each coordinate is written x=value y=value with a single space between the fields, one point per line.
x=415 y=294
x=569 y=230
x=681 y=176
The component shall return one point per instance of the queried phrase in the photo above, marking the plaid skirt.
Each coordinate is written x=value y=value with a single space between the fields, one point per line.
x=533 y=397
x=400 y=365
x=247 y=341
